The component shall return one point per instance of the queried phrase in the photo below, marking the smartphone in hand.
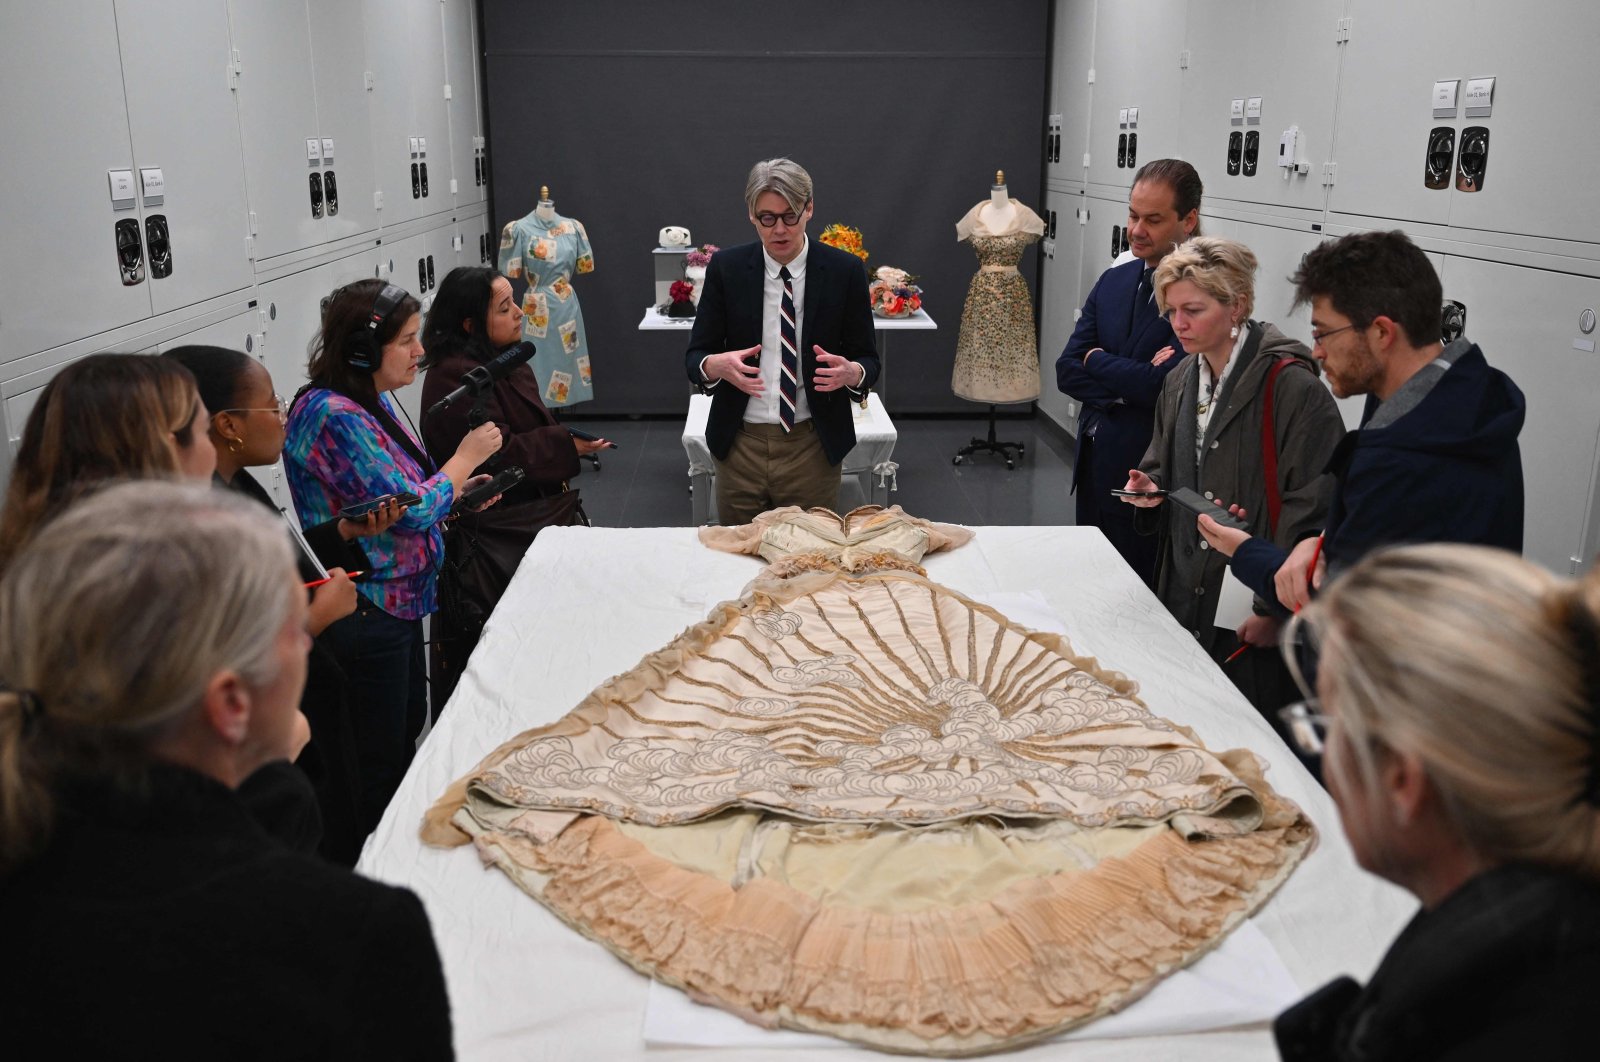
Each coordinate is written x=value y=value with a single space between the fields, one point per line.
x=588 y=437
x=1120 y=493
x=1199 y=505
x=362 y=510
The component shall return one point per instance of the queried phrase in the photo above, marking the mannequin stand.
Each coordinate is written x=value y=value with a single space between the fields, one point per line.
x=990 y=445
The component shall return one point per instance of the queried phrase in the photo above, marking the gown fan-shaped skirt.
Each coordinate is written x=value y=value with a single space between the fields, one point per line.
x=857 y=802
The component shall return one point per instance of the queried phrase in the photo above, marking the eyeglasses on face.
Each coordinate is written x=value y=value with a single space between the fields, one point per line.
x=767 y=218
x=281 y=408
x=1307 y=725
x=1318 y=337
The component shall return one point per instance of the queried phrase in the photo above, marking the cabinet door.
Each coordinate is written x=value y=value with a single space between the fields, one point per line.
x=176 y=55
x=277 y=115
x=1135 y=65
x=1526 y=321
x=394 y=29
x=1070 y=61
x=466 y=126
x=65 y=128
x=343 y=114
x=1293 y=67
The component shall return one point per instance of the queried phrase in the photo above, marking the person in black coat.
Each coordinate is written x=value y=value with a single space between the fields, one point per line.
x=1119 y=354
x=246 y=430
x=152 y=652
x=474 y=318
x=781 y=387
x=1458 y=698
x=1436 y=457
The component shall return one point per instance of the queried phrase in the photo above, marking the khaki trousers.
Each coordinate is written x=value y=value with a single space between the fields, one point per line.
x=767 y=468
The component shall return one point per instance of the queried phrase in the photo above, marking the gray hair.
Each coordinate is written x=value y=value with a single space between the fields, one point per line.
x=1484 y=667
x=789 y=179
x=114 y=619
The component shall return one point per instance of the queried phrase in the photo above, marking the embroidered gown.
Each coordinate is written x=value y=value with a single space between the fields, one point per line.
x=997 y=356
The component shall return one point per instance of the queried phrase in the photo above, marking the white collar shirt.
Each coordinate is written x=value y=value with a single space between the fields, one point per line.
x=763 y=409
x=1210 y=390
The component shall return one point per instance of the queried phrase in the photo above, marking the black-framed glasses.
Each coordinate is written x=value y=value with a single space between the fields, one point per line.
x=1307 y=725
x=281 y=408
x=766 y=218
x=1318 y=337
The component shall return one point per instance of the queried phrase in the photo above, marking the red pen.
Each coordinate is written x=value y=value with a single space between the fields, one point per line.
x=1316 y=554
x=313 y=584
x=1237 y=653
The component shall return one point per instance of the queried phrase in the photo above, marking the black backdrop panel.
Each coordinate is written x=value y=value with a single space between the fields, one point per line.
x=640 y=115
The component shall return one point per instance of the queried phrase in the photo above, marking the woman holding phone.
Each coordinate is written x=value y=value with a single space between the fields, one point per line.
x=1244 y=420
x=474 y=317
x=346 y=445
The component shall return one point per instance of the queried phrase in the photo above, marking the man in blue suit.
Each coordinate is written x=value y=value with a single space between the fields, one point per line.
x=1121 y=350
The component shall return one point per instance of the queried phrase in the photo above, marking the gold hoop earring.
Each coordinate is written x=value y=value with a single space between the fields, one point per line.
x=236 y=446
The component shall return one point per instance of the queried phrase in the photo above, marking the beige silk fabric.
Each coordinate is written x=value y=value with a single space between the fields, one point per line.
x=856 y=539
x=865 y=805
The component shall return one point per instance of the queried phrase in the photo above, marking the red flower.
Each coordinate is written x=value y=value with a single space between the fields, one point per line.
x=681 y=291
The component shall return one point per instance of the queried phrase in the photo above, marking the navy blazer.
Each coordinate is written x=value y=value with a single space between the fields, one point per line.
x=1119 y=386
x=837 y=316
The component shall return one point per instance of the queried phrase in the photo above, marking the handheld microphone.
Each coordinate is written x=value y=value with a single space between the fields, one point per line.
x=481 y=377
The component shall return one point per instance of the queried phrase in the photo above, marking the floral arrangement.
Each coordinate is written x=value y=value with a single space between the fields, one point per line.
x=682 y=293
x=845 y=238
x=893 y=293
x=700 y=256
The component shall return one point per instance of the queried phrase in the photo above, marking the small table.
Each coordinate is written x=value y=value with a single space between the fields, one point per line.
x=875 y=439
x=655 y=321
x=884 y=325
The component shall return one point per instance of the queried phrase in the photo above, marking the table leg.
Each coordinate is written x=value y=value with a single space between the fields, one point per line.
x=882 y=386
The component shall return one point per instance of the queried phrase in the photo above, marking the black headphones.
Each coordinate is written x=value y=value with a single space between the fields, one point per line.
x=362 y=351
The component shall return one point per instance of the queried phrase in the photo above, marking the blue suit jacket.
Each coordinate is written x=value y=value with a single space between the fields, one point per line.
x=837 y=316
x=1118 y=387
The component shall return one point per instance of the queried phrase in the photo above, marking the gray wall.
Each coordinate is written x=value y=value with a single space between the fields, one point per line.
x=639 y=115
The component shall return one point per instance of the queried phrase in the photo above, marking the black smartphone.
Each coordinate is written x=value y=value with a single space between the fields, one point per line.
x=1195 y=502
x=587 y=436
x=364 y=509
x=502 y=482
x=1120 y=493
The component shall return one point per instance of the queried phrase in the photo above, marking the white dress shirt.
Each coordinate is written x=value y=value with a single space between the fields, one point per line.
x=763 y=409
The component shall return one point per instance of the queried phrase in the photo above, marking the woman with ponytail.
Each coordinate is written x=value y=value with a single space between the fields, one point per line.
x=1457 y=694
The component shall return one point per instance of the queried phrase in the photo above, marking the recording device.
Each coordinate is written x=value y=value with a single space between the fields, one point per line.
x=1194 y=502
x=504 y=481
x=362 y=510
x=481 y=377
x=588 y=436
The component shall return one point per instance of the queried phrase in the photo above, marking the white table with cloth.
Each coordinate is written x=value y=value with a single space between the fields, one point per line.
x=588 y=603
x=867 y=471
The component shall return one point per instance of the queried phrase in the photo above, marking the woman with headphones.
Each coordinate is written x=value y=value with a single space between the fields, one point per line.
x=346 y=446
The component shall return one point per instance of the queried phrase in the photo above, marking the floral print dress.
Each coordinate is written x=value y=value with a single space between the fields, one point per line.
x=549 y=254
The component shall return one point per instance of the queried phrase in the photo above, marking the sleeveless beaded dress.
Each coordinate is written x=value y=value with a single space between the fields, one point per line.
x=997 y=356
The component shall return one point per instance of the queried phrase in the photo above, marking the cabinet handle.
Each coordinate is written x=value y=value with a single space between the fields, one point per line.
x=158 y=238
x=430 y=272
x=130 y=251
x=424 y=180
x=316 y=195
x=416 y=182
x=331 y=192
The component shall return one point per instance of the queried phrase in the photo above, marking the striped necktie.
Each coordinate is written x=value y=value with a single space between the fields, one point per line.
x=790 y=383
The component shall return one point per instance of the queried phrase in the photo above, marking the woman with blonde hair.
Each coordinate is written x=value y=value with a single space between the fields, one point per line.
x=1457 y=693
x=152 y=649
x=107 y=416
x=1243 y=419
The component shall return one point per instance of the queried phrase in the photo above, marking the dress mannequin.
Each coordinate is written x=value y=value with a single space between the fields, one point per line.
x=547 y=207
x=548 y=250
x=998 y=214
x=997 y=355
